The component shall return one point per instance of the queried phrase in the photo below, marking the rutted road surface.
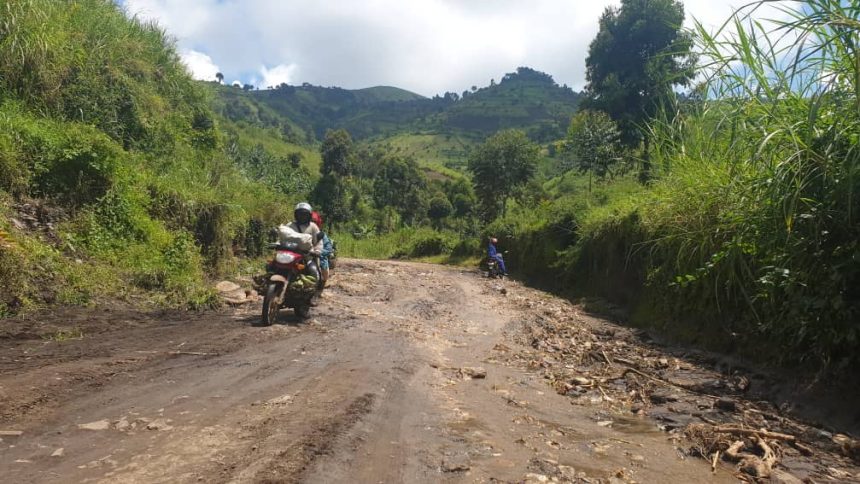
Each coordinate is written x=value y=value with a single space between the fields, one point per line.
x=405 y=373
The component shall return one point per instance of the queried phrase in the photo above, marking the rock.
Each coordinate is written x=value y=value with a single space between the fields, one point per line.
x=58 y=453
x=97 y=425
x=474 y=372
x=778 y=476
x=726 y=404
x=456 y=463
x=663 y=363
x=236 y=297
x=662 y=396
x=848 y=446
x=11 y=433
x=567 y=472
x=581 y=380
x=226 y=287
x=532 y=478
x=158 y=424
x=122 y=424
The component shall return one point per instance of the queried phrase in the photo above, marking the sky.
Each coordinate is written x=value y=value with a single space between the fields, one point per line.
x=425 y=46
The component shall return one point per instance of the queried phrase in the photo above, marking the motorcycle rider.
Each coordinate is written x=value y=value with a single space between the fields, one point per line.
x=493 y=253
x=304 y=224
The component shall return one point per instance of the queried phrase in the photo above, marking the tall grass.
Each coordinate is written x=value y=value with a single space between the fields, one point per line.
x=99 y=116
x=757 y=216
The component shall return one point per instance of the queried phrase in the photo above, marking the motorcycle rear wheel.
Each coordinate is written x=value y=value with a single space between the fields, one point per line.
x=271 y=305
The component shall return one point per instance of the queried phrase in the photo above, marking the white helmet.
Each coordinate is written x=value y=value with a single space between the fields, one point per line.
x=304 y=206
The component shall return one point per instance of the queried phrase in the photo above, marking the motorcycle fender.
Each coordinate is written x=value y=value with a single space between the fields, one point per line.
x=282 y=280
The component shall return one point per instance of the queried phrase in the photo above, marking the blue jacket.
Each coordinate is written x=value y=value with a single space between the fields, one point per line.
x=491 y=251
x=328 y=247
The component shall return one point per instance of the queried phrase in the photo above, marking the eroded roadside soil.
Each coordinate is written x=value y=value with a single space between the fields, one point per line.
x=405 y=373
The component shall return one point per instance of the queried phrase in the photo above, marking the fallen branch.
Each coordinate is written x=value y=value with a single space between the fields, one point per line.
x=661 y=381
x=714 y=461
x=608 y=361
x=761 y=434
x=733 y=453
x=191 y=353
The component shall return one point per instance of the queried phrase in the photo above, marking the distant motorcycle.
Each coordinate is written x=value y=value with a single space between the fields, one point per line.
x=493 y=269
x=291 y=281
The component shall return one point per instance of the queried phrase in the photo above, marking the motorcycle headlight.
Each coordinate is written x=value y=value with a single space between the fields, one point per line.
x=284 y=258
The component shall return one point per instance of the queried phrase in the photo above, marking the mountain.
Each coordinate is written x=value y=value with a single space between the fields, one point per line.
x=378 y=94
x=526 y=99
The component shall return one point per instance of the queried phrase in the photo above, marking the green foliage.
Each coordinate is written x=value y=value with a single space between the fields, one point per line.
x=749 y=233
x=330 y=196
x=401 y=185
x=336 y=152
x=404 y=242
x=640 y=52
x=504 y=163
x=439 y=208
x=100 y=122
x=593 y=140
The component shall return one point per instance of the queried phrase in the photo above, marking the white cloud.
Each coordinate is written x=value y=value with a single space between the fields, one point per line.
x=199 y=64
x=277 y=75
x=428 y=46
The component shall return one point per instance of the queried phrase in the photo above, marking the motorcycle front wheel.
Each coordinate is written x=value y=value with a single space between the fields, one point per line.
x=271 y=305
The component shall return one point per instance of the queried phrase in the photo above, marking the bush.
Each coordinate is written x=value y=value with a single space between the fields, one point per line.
x=430 y=244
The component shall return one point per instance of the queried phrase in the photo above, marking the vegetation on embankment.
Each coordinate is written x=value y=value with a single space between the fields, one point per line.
x=747 y=238
x=102 y=128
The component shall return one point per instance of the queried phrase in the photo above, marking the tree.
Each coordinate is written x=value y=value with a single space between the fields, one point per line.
x=295 y=159
x=336 y=151
x=330 y=195
x=593 y=140
x=504 y=163
x=639 y=54
x=439 y=208
x=399 y=183
x=220 y=77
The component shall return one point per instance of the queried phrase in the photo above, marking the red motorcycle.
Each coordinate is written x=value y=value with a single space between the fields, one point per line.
x=291 y=281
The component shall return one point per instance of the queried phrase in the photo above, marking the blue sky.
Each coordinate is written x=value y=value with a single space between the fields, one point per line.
x=427 y=46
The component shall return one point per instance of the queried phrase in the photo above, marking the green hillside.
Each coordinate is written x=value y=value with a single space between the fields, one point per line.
x=378 y=94
x=116 y=178
x=525 y=99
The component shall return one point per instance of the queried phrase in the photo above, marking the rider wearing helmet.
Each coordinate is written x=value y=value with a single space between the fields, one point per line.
x=303 y=224
x=493 y=253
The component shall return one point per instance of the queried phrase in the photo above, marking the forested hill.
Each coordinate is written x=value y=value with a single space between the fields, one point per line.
x=526 y=99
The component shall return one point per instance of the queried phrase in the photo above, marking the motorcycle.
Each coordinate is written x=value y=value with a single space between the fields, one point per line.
x=493 y=269
x=291 y=281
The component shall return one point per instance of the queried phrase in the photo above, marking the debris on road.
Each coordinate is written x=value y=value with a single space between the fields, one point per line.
x=458 y=462
x=473 y=372
x=97 y=425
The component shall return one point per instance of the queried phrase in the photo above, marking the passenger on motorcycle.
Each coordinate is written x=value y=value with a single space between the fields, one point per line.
x=328 y=247
x=493 y=253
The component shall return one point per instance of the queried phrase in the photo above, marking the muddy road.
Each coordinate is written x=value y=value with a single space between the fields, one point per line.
x=405 y=373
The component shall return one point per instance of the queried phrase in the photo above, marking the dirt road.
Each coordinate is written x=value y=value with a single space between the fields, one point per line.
x=406 y=373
